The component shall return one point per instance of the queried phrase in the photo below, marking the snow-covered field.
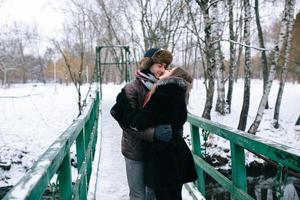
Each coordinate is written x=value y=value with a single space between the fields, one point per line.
x=30 y=123
x=287 y=134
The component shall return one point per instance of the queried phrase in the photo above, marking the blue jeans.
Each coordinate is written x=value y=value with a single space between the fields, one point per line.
x=135 y=178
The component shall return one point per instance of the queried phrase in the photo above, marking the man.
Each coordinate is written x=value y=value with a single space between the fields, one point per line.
x=152 y=66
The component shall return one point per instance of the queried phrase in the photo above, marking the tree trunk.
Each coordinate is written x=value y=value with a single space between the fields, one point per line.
x=253 y=128
x=262 y=45
x=209 y=53
x=220 y=105
x=240 y=47
x=215 y=30
x=298 y=121
x=286 y=61
x=232 y=58
x=246 y=100
x=41 y=75
x=23 y=69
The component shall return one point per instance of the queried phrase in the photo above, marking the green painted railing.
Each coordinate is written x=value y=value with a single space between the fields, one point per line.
x=56 y=160
x=285 y=157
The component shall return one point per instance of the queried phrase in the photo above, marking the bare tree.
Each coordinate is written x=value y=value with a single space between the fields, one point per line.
x=232 y=57
x=275 y=60
x=216 y=34
x=16 y=52
x=262 y=45
x=246 y=99
x=210 y=58
x=283 y=73
x=298 y=121
x=2 y=2
x=160 y=22
x=75 y=46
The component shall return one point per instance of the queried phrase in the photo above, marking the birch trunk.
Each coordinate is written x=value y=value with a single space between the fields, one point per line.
x=220 y=105
x=253 y=128
x=246 y=100
x=298 y=121
x=232 y=58
x=262 y=45
x=209 y=53
x=241 y=40
x=286 y=61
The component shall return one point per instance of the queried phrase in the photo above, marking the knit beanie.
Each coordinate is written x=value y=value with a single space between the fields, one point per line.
x=156 y=55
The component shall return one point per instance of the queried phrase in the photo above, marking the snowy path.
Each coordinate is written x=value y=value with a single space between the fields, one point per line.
x=112 y=182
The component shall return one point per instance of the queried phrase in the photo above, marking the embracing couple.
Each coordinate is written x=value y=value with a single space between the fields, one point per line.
x=152 y=110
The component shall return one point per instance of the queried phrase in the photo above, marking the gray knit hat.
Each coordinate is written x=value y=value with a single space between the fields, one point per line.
x=156 y=55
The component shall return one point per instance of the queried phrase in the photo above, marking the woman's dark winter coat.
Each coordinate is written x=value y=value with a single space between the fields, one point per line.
x=167 y=164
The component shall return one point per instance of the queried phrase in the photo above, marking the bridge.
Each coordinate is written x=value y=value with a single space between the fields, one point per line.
x=99 y=177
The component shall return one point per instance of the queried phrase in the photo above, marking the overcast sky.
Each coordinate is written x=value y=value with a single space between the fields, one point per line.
x=46 y=14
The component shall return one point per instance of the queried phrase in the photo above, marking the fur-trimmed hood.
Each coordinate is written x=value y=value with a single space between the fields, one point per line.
x=180 y=82
x=174 y=80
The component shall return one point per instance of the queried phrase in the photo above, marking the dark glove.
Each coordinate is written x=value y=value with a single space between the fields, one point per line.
x=163 y=133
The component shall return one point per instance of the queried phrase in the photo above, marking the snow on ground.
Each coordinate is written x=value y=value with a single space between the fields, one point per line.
x=112 y=182
x=286 y=134
x=31 y=122
x=28 y=125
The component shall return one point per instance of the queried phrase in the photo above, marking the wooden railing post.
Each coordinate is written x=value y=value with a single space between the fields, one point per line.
x=196 y=146
x=65 y=178
x=88 y=131
x=238 y=168
x=80 y=152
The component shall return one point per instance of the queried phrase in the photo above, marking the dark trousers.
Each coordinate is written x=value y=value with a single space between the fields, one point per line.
x=170 y=194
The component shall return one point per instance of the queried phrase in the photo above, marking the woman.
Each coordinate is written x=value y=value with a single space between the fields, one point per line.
x=152 y=66
x=168 y=165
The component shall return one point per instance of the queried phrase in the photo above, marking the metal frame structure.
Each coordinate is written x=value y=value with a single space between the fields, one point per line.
x=83 y=132
x=125 y=61
x=285 y=157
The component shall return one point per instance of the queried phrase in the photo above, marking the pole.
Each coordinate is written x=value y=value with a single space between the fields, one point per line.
x=87 y=74
x=54 y=72
x=4 y=77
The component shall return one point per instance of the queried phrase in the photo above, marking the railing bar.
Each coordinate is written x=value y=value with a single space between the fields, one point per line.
x=196 y=144
x=188 y=187
x=80 y=150
x=238 y=167
x=87 y=156
x=34 y=182
x=220 y=178
x=90 y=155
x=65 y=178
x=81 y=175
x=274 y=164
x=275 y=151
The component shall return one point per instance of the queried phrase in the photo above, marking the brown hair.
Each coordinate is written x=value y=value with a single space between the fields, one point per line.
x=181 y=73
